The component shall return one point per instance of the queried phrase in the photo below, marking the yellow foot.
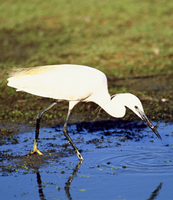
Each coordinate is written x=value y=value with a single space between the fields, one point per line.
x=35 y=151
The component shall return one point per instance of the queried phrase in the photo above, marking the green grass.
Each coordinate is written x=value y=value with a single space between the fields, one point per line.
x=117 y=37
x=122 y=38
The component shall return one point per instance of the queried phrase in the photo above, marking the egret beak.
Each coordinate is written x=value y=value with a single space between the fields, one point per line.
x=144 y=118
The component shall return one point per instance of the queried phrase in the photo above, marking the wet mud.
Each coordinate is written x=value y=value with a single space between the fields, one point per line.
x=123 y=131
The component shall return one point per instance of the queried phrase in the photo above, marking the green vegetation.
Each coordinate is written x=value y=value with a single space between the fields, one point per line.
x=126 y=38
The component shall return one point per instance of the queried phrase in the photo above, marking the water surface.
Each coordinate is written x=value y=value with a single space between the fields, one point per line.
x=123 y=160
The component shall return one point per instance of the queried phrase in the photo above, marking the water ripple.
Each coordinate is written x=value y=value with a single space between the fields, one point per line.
x=139 y=161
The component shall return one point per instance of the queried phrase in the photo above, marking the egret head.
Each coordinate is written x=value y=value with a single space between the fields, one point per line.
x=133 y=103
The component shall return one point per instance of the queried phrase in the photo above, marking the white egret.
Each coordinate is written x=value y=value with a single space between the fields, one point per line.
x=74 y=83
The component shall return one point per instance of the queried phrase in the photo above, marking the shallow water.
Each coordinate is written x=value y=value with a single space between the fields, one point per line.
x=123 y=160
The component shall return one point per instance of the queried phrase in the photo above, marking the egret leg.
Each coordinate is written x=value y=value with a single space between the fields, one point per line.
x=71 y=105
x=39 y=116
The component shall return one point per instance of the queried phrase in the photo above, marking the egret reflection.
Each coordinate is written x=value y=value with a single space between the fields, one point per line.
x=67 y=184
x=153 y=195
x=155 y=192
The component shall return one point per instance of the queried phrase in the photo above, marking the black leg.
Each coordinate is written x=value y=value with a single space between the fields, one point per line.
x=68 y=137
x=39 y=116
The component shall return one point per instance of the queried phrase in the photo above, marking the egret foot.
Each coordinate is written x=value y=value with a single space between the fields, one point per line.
x=35 y=151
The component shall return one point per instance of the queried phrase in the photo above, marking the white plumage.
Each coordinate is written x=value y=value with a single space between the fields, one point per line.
x=67 y=82
x=74 y=83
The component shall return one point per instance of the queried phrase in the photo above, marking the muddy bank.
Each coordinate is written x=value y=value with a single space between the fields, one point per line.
x=155 y=92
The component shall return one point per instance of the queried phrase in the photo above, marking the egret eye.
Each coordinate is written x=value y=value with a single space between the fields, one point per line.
x=136 y=107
